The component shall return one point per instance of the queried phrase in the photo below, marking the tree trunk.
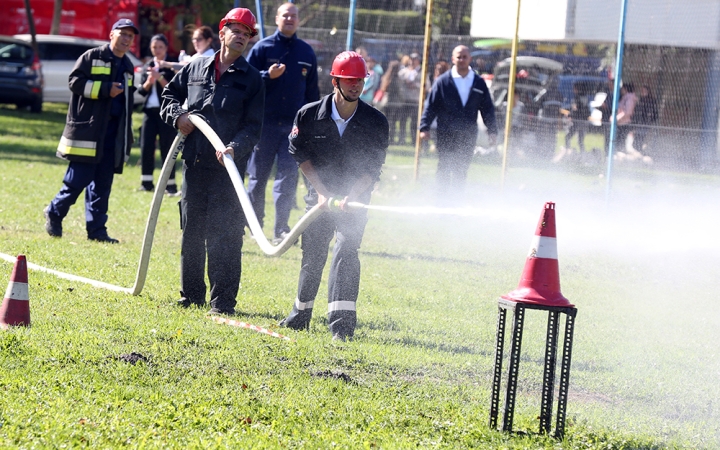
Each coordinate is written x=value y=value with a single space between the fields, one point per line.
x=57 y=15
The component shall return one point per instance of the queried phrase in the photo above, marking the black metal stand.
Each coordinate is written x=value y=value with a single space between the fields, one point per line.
x=554 y=312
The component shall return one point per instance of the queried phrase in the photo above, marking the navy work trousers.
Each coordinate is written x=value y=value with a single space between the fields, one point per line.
x=97 y=181
x=453 y=164
x=213 y=224
x=344 y=279
x=273 y=145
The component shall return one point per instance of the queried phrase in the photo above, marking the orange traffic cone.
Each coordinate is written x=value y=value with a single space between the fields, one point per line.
x=540 y=280
x=15 y=309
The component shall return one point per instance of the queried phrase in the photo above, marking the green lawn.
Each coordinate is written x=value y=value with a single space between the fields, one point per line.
x=642 y=269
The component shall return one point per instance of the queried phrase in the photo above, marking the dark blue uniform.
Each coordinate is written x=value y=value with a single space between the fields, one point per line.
x=284 y=96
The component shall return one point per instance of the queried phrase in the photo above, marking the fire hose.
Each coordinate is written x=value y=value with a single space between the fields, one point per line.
x=252 y=221
x=149 y=235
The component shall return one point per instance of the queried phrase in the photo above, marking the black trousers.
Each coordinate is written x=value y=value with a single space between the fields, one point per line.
x=580 y=128
x=213 y=225
x=344 y=279
x=154 y=128
x=454 y=157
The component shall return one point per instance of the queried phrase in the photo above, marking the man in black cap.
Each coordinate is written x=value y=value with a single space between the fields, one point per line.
x=98 y=132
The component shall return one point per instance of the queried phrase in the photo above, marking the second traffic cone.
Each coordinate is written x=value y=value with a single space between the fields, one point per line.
x=540 y=280
x=15 y=309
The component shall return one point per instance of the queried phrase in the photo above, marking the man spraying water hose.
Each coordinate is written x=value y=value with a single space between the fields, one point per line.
x=230 y=95
x=340 y=143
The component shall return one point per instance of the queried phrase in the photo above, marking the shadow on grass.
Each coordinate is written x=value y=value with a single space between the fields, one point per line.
x=429 y=258
x=35 y=135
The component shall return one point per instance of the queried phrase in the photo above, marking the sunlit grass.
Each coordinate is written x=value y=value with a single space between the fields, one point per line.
x=645 y=369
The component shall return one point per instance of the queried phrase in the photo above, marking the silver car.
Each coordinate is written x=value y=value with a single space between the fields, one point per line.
x=58 y=55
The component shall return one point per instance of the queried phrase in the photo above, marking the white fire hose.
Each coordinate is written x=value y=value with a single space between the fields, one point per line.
x=253 y=223
x=149 y=235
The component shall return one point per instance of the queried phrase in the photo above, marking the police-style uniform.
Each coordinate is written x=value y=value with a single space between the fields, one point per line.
x=97 y=137
x=211 y=216
x=284 y=96
x=339 y=161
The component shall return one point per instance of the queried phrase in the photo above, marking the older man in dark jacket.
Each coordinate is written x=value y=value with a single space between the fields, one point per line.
x=229 y=93
x=455 y=99
x=98 y=132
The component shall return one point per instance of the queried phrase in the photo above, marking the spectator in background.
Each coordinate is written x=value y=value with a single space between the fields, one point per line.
x=410 y=78
x=455 y=100
x=646 y=117
x=153 y=81
x=98 y=132
x=625 y=111
x=377 y=68
x=579 y=114
x=202 y=40
x=372 y=82
x=389 y=98
x=289 y=68
x=606 y=110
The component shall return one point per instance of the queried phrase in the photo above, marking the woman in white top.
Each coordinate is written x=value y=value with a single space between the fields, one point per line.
x=202 y=41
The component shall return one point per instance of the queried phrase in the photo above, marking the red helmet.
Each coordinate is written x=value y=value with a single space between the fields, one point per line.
x=240 y=15
x=349 y=65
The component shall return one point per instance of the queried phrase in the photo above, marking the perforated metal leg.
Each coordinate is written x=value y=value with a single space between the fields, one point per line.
x=549 y=372
x=513 y=367
x=497 y=374
x=565 y=374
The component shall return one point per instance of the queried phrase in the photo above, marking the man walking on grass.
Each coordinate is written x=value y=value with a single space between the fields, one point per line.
x=455 y=99
x=98 y=132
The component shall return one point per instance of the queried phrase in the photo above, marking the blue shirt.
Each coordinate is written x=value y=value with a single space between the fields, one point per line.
x=297 y=86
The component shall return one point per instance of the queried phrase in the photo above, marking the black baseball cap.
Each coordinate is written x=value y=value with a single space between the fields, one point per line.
x=125 y=23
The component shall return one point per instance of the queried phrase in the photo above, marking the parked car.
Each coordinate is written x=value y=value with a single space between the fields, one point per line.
x=21 y=76
x=58 y=55
x=544 y=88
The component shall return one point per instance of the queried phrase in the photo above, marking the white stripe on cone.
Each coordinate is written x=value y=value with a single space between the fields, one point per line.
x=17 y=291
x=543 y=247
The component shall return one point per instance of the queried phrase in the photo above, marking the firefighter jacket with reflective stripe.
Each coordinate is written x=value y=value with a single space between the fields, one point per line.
x=90 y=106
x=232 y=106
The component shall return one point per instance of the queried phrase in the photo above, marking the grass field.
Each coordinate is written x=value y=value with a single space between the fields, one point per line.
x=642 y=269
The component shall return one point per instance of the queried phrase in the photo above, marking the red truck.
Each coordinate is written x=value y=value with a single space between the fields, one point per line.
x=94 y=18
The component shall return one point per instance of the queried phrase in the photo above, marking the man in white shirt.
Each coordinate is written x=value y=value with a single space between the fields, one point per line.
x=455 y=100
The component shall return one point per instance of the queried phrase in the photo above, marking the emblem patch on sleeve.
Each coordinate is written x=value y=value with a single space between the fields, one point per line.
x=294 y=133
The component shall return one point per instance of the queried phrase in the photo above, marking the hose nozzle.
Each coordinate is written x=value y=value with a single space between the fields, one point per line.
x=334 y=204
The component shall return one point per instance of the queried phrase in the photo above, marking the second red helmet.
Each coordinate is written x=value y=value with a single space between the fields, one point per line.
x=349 y=65
x=240 y=15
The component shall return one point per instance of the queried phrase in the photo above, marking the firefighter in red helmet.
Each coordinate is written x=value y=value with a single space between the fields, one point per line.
x=229 y=93
x=340 y=144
